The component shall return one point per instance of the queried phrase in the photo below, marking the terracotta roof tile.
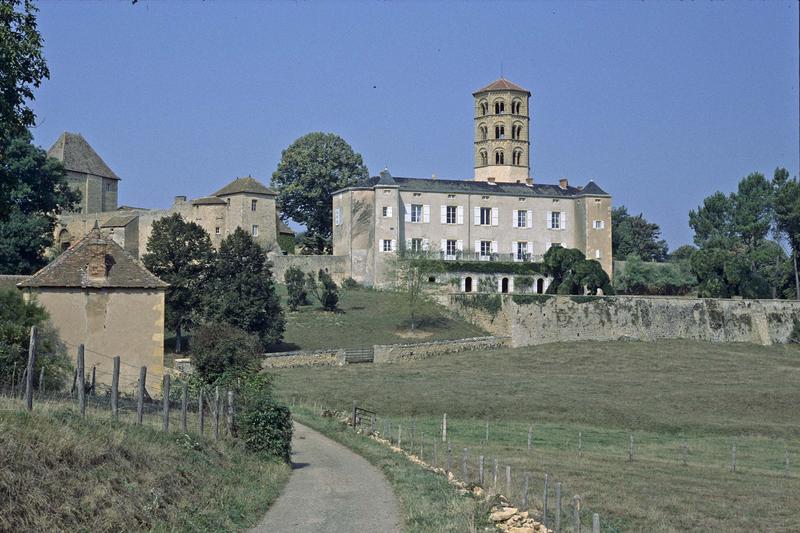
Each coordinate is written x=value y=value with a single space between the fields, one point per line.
x=502 y=85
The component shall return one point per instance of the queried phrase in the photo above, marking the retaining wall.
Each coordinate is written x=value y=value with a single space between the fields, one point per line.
x=388 y=353
x=331 y=357
x=335 y=265
x=544 y=319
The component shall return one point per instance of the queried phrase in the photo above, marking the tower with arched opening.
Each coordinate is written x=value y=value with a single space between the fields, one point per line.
x=502 y=128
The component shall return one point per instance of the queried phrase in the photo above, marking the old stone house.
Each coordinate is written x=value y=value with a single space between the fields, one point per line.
x=499 y=215
x=100 y=296
x=243 y=203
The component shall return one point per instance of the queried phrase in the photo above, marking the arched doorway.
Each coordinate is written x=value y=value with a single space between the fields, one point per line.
x=468 y=284
x=504 y=286
x=540 y=286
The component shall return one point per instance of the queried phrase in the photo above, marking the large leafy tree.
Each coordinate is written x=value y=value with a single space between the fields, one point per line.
x=787 y=216
x=39 y=194
x=181 y=254
x=634 y=235
x=22 y=69
x=311 y=168
x=572 y=273
x=242 y=292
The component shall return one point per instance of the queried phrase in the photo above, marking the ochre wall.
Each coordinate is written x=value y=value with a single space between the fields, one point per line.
x=109 y=322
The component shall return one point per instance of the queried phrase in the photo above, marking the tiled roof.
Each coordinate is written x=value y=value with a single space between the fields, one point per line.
x=209 y=200
x=502 y=85
x=76 y=155
x=244 y=185
x=283 y=229
x=119 y=221
x=483 y=187
x=70 y=269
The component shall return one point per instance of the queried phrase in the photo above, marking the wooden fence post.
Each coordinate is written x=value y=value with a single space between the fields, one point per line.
x=216 y=412
x=530 y=434
x=486 y=437
x=580 y=443
x=525 y=492
x=786 y=462
x=400 y=436
x=184 y=407
x=508 y=480
x=229 y=419
x=444 y=427
x=630 y=449
x=81 y=382
x=449 y=457
x=595 y=523
x=576 y=518
x=494 y=475
x=41 y=382
x=733 y=458
x=480 y=470
x=355 y=412
x=558 y=507
x=31 y=361
x=165 y=394
x=140 y=395
x=464 y=472
x=115 y=389
x=200 y=412
x=544 y=503
x=94 y=379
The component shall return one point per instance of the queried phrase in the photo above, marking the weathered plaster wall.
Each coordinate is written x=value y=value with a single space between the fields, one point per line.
x=547 y=319
x=124 y=322
x=389 y=353
x=335 y=265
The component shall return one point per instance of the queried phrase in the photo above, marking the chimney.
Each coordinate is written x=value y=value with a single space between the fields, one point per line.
x=529 y=181
x=179 y=200
x=100 y=262
x=563 y=183
x=433 y=176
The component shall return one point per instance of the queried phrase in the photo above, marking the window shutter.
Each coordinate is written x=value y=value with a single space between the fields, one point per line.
x=394 y=245
x=514 y=250
x=426 y=213
x=443 y=219
x=408 y=244
x=460 y=214
x=460 y=246
x=444 y=245
x=426 y=244
x=500 y=285
x=563 y=218
x=530 y=248
x=495 y=216
x=529 y=218
x=514 y=218
x=549 y=220
x=389 y=212
x=510 y=284
x=494 y=247
x=477 y=249
x=407 y=210
x=463 y=284
x=547 y=245
x=477 y=216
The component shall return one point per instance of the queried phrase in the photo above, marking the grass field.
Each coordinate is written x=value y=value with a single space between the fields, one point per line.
x=667 y=395
x=368 y=317
x=61 y=473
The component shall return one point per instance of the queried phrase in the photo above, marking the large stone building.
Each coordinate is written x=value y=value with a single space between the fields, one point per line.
x=244 y=203
x=500 y=215
x=98 y=295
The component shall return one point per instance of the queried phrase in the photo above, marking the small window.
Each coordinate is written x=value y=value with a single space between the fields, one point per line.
x=451 y=214
x=599 y=224
x=253 y=205
x=451 y=247
x=109 y=187
x=522 y=218
x=597 y=254
x=516 y=107
x=416 y=245
x=500 y=132
x=416 y=213
x=499 y=107
x=499 y=157
x=521 y=251
x=516 y=157
x=386 y=245
x=484 y=108
x=484 y=132
x=484 y=158
x=255 y=230
x=386 y=211
x=555 y=245
x=486 y=248
x=431 y=279
x=337 y=216
x=486 y=216
x=555 y=220
x=217 y=230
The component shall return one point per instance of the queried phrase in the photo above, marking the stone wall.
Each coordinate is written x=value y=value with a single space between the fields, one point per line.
x=330 y=357
x=542 y=319
x=10 y=282
x=389 y=353
x=335 y=265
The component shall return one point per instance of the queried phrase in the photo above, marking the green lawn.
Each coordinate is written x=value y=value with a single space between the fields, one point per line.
x=368 y=317
x=668 y=395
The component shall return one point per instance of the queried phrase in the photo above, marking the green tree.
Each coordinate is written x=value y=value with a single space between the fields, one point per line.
x=787 y=216
x=38 y=195
x=664 y=279
x=682 y=253
x=242 y=291
x=23 y=68
x=635 y=235
x=295 y=287
x=181 y=254
x=311 y=168
x=559 y=264
x=221 y=348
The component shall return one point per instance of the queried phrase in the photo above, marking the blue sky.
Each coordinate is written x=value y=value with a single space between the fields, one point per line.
x=660 y=103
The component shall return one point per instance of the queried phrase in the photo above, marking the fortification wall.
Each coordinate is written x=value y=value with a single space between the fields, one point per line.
x=542 y=319
x=335 y=265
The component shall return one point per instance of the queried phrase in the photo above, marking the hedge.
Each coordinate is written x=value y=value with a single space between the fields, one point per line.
x=480 y=267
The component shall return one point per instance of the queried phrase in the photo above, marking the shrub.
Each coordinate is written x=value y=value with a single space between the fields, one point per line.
x=296 y=287
x=325 y=291
x=795 y=336
x=218 y=349
x=266 y=427
x=350 y=283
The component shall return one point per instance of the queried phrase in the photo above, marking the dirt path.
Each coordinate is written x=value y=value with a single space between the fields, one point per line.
x=332 y=489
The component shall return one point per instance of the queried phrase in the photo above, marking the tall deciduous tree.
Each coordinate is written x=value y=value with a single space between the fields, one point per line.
x=634 y=235
x=39 y=193
x=22 y=69
x=242 y=292
x=787 y=216
x=311 y=168
x=181 y=254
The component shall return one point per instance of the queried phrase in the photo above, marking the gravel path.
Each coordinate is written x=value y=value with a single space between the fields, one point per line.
x=332 y=489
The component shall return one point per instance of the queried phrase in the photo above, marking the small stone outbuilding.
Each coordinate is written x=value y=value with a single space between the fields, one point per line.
x=98 y=295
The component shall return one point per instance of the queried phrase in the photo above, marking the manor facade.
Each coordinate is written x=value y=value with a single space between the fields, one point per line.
x=499 y=215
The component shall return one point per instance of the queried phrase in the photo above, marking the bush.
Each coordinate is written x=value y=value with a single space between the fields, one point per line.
x=795 y=336
x=326 y=291
x=218 y=349
x=266 y=427
x=350 y=283
x=296 y=287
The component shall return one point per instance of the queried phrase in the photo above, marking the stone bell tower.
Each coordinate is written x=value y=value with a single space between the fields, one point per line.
x=502 y=133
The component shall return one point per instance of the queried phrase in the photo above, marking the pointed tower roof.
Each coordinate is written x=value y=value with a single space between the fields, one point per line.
x=244 y=186
x=75 y=269
x=502 y=84
x=78 y=156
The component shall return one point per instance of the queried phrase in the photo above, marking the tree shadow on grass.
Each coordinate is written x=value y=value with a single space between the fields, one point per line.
x=282 y=347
